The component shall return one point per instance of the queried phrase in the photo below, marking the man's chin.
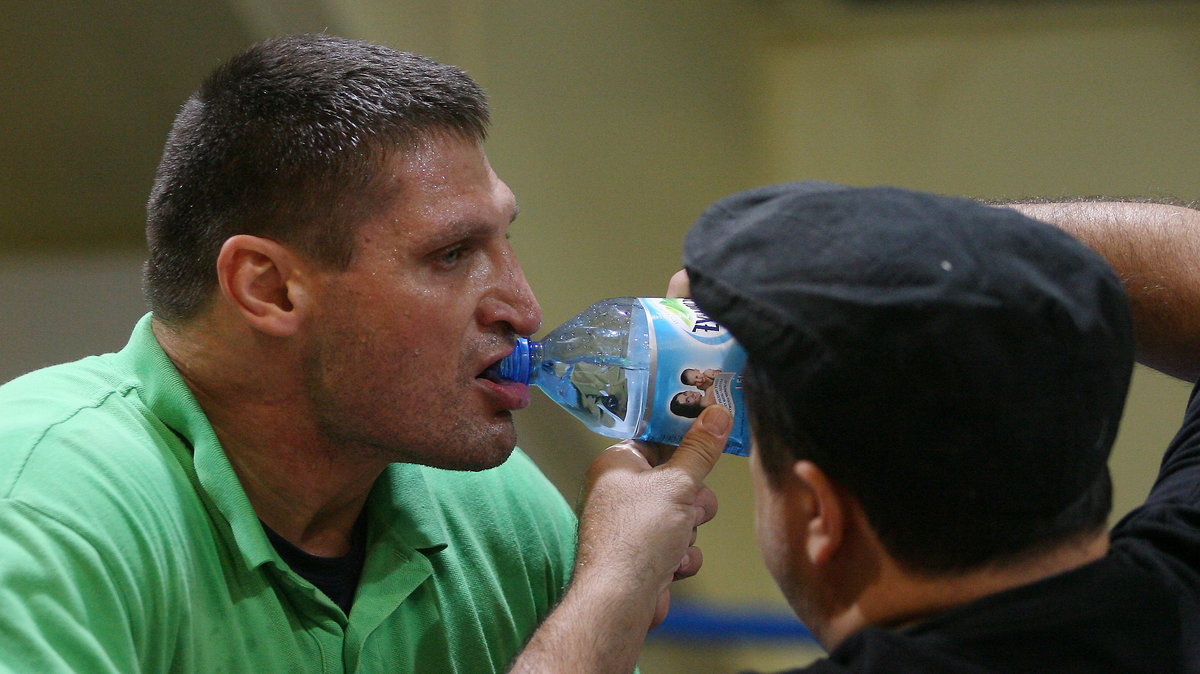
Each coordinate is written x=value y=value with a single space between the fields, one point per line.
x=483 y=448
x=482 y=456
x=473 y=463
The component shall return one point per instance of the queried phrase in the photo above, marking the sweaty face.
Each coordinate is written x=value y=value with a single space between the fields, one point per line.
x=399 y=341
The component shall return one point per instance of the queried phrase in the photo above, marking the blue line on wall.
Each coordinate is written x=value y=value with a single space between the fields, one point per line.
x=695 y=621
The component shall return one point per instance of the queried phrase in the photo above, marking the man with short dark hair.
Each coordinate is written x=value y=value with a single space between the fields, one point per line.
x=935 y=386
x=258 y=481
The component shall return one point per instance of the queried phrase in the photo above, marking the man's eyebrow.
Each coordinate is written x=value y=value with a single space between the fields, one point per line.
x=516 y=212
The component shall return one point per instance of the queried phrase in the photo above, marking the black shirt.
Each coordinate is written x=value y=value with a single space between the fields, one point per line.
x=1135 y=610
x=337 y=577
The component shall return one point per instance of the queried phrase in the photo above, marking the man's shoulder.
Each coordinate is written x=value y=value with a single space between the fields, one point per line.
x=53 y=389
x=92 y=386
x=78 y=435
x=1076 y=621
x=1167 y=525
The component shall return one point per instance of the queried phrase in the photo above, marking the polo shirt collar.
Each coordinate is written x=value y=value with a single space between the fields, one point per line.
x=400 y=504
x=167 y=395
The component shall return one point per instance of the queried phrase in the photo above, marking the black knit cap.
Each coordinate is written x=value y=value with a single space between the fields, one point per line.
x=984 y=355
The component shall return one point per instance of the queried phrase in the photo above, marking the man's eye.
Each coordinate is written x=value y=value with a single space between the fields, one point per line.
x=452 y=256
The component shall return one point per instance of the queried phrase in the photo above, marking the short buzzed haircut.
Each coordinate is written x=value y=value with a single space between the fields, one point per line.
x=286 y=140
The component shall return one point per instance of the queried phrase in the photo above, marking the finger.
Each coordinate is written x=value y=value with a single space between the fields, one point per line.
x=621 y=458
x=703 y=443
x=631 y=453
x=661 y=608
x=690 y=564
x=679 y=285
x=655 y=453
x=705 y=504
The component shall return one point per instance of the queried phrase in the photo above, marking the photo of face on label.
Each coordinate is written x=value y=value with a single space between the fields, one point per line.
x=701 y=379
x=689 y=404
x=713 y=386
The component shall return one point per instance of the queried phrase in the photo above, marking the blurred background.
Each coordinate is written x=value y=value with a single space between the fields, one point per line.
x=616 y=123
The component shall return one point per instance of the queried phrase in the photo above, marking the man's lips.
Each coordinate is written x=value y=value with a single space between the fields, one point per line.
x=510 y=395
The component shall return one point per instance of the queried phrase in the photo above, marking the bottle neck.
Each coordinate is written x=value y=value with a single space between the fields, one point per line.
x=521 y=365
x=536 y=350
x=534 y=354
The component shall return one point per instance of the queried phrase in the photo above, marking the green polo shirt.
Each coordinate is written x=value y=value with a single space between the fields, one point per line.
x=127 y=544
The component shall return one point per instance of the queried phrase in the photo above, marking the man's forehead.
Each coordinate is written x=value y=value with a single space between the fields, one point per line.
x=442 y=218
x=451 y=178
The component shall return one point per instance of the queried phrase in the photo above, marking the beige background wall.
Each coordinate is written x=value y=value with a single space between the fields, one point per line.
x=616 y=122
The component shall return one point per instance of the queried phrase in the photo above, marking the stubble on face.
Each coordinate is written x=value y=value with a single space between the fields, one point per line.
x=392 y=361
x=418 y=424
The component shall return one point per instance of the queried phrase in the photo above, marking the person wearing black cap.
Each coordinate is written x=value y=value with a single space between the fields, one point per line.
x=934 y=386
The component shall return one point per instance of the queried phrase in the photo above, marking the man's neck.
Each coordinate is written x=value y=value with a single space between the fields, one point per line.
x=898 y=599
x=306 y=488
x=310 y=498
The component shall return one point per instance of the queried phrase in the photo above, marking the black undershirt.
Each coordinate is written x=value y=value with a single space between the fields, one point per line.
x=337 y=577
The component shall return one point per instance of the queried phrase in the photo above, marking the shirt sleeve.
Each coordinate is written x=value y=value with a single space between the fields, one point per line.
x=60 y=609
x=1164 y=532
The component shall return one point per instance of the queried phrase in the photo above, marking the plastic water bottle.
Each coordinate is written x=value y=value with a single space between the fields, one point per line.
x=637 y=367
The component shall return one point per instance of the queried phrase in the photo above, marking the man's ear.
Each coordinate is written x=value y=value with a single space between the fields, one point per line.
x=828 y=515
x=265 y=283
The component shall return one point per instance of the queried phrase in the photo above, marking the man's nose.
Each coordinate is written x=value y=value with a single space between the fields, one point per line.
x=512 y=301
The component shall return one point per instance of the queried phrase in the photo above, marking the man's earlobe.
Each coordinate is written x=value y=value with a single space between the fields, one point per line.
x=263 y=281
x=827 y=522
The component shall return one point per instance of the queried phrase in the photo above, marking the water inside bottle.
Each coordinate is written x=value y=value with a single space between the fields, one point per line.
x=599 y=365
x=609 y=399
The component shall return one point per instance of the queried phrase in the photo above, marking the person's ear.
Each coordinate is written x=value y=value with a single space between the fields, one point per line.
x=828 y=516
x=265 y=283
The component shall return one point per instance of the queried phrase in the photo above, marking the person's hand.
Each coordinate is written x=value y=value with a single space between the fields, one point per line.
x=637 y=533
x=643 y=505
x=679 y=285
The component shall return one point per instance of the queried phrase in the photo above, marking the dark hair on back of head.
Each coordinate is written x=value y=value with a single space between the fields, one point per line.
x=927 y=536
x=286 y=140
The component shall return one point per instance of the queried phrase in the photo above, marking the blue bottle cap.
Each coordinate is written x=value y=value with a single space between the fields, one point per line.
x=515 y=366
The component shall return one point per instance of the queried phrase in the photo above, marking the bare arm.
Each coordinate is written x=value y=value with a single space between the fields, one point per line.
x=1155 y=249
x=636 y=534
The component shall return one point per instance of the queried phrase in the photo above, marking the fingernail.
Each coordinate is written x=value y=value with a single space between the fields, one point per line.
x=717 y=420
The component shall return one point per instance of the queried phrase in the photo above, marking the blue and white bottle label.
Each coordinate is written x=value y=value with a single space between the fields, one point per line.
x=697 y=364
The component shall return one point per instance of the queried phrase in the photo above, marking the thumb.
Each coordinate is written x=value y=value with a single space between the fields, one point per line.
x=703 y=443
x=679 y=285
